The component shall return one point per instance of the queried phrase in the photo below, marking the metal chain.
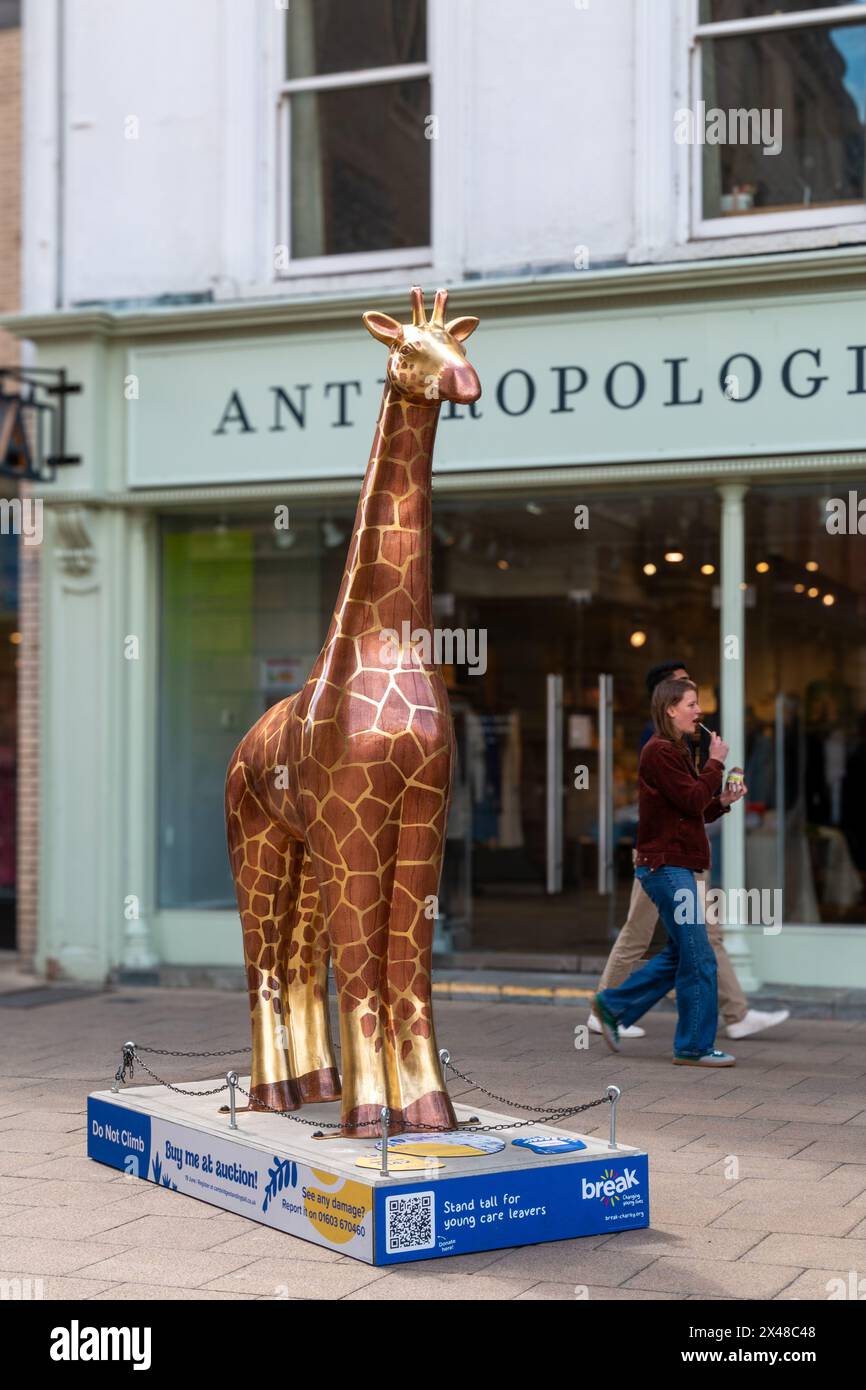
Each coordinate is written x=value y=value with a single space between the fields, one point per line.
x=504 y=1100
x=179 y=1089
x=549 y=1113
x=561 y=1113
x=163 y=1052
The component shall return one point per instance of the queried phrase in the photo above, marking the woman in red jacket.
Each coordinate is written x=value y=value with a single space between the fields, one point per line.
x=675 y=802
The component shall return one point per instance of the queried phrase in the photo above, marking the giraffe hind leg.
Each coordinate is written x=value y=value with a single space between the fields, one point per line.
x=267 y=865
x=305 y=997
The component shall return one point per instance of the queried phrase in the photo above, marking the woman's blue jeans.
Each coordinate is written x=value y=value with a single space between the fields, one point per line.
x=688 y=962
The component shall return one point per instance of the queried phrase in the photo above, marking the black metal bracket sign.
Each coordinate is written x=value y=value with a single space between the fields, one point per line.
x=33 y=422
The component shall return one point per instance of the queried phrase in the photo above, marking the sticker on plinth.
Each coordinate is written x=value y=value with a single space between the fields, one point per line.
x=549 y=1144
x=399 y=1163
x=448 y=1145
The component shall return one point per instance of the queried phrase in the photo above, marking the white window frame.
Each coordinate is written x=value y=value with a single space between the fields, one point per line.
x=357 y=261
x=748 y=224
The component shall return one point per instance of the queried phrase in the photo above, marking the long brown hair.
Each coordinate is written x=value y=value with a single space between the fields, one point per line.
x=668 y=692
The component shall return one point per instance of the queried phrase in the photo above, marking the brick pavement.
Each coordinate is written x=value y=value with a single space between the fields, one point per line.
x=757 y=1173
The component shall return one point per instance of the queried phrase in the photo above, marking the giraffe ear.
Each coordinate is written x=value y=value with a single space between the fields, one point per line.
x=461 y=328
x=382 y=326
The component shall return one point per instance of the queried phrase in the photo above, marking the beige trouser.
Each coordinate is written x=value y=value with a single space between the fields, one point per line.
x=636 y=934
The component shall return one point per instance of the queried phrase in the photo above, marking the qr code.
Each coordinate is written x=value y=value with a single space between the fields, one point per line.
x=409 y=1222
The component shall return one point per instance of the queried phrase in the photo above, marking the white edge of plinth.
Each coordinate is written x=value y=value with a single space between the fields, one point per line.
x=276 y=1135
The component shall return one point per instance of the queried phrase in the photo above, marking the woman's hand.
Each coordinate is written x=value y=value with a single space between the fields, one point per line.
x=728 y=798
x=718 y=748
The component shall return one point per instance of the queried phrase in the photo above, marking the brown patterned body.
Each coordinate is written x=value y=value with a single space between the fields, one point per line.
x=337 y=799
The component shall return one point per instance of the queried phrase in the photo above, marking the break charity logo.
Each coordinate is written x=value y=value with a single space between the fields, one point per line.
x=610 y=1185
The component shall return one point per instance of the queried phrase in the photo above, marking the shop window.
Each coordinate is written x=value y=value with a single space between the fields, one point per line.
x=806 y=699
x=245 y=608
x=354 y=134
x=778 y=116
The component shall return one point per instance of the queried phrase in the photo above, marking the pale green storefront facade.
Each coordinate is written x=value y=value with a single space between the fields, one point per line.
x=729 y=380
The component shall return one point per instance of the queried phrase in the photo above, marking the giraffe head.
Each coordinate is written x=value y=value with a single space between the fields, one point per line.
x=427 y=361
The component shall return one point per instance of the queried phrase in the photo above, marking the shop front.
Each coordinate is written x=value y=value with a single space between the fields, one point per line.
x=655 y=470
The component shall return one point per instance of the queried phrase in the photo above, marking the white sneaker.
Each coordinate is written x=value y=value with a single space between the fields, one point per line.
x=631 y=1032
x=756 y=1022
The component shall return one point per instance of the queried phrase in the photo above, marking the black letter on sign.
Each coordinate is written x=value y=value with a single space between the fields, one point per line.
x=530 y=391
x=234 y=415
x=341 y=387
x=452 y=411
x=675 y=384
x=562 y=390
x=815 y=354
x=726 y=372
x=280 y=396
x=860 y=388
x=641 y=384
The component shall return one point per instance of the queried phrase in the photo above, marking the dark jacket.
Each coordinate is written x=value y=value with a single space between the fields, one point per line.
x=675 y=801
x=698 y=746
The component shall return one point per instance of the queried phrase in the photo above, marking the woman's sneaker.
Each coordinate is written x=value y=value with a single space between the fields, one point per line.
x=609 y=1026
x=631 y=1030
x=709 y=1059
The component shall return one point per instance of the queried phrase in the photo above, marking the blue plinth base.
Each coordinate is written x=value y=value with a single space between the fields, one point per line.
x=272 y=1170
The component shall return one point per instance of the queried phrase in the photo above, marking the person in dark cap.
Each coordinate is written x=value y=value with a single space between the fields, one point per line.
x=636 y=934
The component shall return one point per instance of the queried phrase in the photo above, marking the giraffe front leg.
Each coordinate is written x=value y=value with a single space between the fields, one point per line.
x=419 y=1095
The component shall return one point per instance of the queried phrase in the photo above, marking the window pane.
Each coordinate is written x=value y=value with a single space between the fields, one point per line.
x=324 y=36
x=360 y=169
x=245 y=609
x=816 y=79
x=715 y=11
x=806 y=699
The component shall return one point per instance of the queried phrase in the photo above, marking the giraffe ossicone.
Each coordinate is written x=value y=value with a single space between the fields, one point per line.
x=337 y=798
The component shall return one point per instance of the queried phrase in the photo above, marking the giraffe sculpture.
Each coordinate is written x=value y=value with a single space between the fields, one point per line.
x=336 y=799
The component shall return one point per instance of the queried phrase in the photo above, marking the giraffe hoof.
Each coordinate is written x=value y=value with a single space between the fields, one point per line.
x=320 y=1085
x=278 y=1095
x=363 y=1122
x=433 y=1109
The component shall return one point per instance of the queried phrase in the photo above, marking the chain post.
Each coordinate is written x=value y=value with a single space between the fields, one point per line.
x=127 y=1057
x=444 y=1058
x=613 y=1095
x=232 y=1081
x=385 y=1116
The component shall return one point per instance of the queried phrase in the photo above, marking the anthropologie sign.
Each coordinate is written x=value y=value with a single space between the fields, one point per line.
x=585 y=387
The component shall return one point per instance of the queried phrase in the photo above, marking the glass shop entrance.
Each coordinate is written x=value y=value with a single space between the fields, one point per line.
x=553 y=619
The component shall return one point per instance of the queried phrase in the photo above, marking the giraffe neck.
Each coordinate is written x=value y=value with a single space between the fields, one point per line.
x=388 y=578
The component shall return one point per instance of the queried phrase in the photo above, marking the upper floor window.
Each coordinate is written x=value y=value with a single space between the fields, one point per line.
x=355 y=153
x=779 y=115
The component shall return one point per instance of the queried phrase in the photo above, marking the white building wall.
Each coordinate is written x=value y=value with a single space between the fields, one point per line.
x=166 y=152
x=551 y=134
